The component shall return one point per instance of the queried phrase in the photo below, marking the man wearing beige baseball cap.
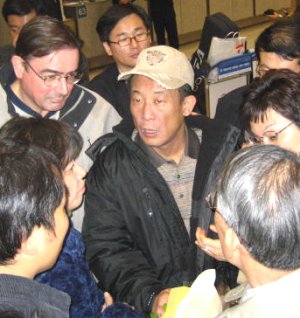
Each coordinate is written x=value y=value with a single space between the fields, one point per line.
x=147 y=187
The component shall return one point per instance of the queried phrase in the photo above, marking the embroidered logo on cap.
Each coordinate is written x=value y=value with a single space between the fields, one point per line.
x=155 y=57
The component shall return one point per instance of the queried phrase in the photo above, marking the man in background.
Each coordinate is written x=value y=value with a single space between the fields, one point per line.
x=124 y=31
x=17 y=13
x=164 y=20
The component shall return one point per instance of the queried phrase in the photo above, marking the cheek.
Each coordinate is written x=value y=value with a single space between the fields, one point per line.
x=71 y=184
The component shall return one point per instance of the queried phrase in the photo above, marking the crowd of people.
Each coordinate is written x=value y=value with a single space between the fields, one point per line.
x=113 y=191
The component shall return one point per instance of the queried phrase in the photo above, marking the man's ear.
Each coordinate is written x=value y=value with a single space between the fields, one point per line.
x=188 y=105
x=18 y=65
x=233 y=245
x=31 y=246
x=107 y=48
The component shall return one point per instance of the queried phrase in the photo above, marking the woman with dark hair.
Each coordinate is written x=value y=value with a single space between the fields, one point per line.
x=271 y=113
x=71 y=273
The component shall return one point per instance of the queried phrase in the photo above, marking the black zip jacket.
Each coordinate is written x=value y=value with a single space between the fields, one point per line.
x=137 y=244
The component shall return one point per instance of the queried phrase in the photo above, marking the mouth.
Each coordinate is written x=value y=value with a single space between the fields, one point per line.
x=135 y=56
x=150 y=132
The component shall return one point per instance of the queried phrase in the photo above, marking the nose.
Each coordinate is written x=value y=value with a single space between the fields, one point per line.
x=79 y=171
x=148 y=113
x=63 y=87
x=133 y=42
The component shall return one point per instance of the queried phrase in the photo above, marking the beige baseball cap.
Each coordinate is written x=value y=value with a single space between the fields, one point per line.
x=165 y=65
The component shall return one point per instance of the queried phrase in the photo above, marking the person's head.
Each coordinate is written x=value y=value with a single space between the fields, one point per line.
x=161 y=95
x=258 y=207
x=278 y=46
x=124 y=31
x=60 y=139
x=271 y=113
x=16 y=14
x=33 y=220
x=46 y=64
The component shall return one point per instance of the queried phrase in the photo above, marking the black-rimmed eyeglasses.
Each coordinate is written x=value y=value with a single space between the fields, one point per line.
x=139 y=37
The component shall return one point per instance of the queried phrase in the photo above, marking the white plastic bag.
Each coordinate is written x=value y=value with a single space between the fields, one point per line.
x=221 y=49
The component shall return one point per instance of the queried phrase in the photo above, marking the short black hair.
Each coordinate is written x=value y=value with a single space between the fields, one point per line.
x=281 y=38
x=114 y=14
x=18 y=7
x=31 y=189
x=278 y=90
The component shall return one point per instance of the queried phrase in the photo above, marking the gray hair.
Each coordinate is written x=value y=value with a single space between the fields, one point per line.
x=258 y=195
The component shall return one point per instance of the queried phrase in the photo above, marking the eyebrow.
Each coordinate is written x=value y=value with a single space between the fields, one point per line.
x=47 y=70
x=127 y=33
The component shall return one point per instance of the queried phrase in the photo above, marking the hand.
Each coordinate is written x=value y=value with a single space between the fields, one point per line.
x=160 y=300
x=211 y=247
x=108 y=300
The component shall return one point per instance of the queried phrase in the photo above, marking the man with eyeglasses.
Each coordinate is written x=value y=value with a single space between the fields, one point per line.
x=277 y=47
x=44 y=84
x=124 y=31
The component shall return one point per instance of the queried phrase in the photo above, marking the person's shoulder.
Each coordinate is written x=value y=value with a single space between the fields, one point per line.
x=209 y=124
x=228 y=107
x=215 y=132
x=117 y=145
x=236 y=93
x=92 y=97
x=104 y=79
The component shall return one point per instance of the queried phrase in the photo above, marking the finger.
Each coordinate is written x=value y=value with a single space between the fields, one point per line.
x=213 y=228
x=108 y=299
x=200 y=234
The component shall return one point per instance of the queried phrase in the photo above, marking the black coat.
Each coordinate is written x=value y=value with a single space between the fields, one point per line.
x=136 y=240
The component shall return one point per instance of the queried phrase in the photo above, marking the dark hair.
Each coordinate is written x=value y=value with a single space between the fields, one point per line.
x=43 y=35
x=281 y=38
x=55 y=136
x=116 y=13
x=17 y=7
x=258 y=197
x=31 y=189
x=278 y=90
x=184 y=91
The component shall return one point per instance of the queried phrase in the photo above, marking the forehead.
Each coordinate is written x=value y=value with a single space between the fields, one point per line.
x=145 y=83
x=20 y=21
x=63 y=60
x=275 y=61
x=268 y=118
x=128 y=24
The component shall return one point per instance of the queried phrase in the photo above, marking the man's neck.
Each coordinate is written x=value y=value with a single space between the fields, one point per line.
x=17 y=89
x=258 y=274
x=175 y=149
x=17 y=270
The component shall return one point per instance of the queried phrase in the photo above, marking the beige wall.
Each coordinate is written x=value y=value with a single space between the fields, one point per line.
x=4 y=38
